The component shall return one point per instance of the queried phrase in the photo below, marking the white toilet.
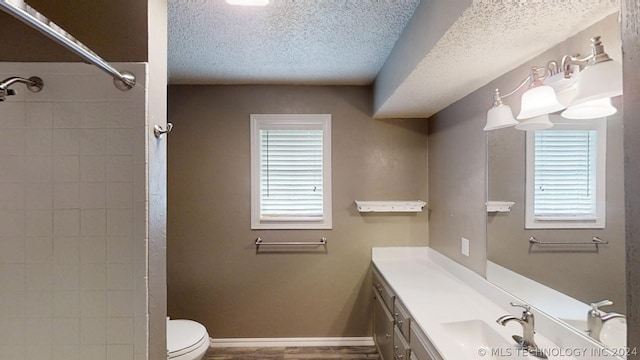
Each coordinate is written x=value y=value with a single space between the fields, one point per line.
x=186 y=340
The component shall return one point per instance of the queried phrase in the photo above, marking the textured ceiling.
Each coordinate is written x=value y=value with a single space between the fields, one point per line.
x=286 y=42
x=448 y=49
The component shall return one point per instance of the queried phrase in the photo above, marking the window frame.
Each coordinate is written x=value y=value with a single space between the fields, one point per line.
x=599 y=221
x=290 y=122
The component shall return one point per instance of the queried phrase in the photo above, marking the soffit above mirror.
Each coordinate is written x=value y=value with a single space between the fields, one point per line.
x=487 y=40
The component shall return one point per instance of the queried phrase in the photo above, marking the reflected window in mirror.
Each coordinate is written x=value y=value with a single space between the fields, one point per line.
x=565 y=175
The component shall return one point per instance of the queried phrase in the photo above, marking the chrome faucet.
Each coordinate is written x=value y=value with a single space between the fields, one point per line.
x=526 y=341
x=595 y=320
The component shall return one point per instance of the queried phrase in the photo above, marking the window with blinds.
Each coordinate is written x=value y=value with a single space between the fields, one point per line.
x=291 y=171
x=565 y=175
x=291 y=174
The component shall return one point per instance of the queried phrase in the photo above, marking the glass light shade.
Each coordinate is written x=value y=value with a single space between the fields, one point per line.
x=590 y=110
x=499 y=117
x=537 y=123
x=539 y=100
x=599 y=81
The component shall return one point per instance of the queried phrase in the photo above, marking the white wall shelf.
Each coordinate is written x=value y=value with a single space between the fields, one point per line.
x=499 y=206
x=390 y=206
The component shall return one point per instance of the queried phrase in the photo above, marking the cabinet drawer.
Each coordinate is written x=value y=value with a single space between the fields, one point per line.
x=402 y=318
x=421 y=348
x=401 y=349
x=384 y=290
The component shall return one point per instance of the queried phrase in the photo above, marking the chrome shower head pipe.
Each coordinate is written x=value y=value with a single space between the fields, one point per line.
x=34 y=84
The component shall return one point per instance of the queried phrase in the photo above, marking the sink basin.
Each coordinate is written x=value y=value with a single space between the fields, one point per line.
x=478 y=341
x=614 y=333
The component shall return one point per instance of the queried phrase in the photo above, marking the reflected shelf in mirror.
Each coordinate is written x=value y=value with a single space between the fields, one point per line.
x=499 y=206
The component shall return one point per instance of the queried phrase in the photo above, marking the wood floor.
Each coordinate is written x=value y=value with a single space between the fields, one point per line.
x=294 y=353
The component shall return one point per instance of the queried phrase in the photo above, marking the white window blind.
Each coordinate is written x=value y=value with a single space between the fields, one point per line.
x=291 y=171
x=291 y=174
x=565 y=174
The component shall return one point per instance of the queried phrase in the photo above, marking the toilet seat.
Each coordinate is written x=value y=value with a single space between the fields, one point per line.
x=186 y=339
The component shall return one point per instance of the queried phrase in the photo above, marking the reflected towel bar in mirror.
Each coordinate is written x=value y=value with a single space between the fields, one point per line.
x=594 y=241
x=322 y=242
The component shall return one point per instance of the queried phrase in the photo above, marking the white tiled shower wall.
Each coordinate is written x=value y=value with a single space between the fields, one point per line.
x=73 y=206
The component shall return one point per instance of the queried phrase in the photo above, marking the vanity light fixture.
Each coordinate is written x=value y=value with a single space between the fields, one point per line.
x=248 y=2
x=584 y=86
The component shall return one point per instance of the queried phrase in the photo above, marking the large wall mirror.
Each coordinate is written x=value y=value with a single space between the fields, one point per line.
x=567 y=272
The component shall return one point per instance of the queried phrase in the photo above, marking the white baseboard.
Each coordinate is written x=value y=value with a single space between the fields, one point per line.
x=285 y=342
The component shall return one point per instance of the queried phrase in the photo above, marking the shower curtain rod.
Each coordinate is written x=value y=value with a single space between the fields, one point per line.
x=123 y=80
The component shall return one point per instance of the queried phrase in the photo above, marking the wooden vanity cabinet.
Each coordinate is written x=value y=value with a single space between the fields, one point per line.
x=396 y=335
x=390 y=322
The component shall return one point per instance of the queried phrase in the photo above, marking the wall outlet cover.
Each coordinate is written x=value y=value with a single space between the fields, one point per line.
x=464 y=246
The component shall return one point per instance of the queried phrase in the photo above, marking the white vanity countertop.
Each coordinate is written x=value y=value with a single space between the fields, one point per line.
x=436 y=291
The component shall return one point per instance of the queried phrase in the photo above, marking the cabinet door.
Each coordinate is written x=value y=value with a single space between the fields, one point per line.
x=401 y=350
x=382 y=327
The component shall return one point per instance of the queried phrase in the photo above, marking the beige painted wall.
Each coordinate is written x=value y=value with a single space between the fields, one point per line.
x=586 y=275
x=457 y=181
x=116 y=30
x=214 y=273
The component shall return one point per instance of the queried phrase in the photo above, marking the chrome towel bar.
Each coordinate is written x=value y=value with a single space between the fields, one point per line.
x=322 y=242
x=594 y=241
